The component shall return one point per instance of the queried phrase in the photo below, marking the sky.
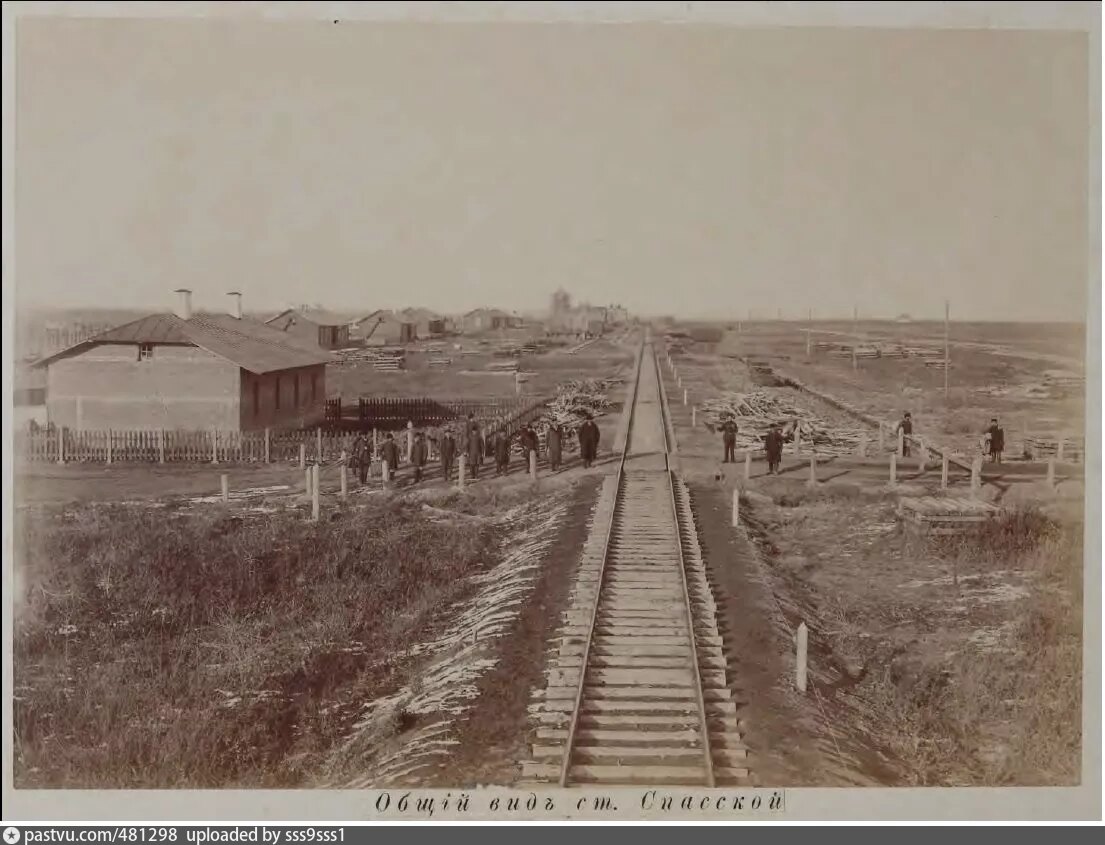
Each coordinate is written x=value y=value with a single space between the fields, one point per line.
x=699 y=171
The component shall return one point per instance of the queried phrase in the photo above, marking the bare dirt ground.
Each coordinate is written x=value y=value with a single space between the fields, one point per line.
x=932 y=662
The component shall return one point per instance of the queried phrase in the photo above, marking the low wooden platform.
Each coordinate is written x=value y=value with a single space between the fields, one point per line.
x=944 y=514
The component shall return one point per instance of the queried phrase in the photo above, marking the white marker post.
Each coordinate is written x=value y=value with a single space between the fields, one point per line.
x=110 y=444
x=694 y=416
x=533 y=464
x=684 y=396
x=410 y=440
x=385 y=475
x=944 y=473
x=797 y=440
x=315 y=485
x=802 y=644
x=302 y=455
x=901 y=443
x=61 y=444
x=462 y=465
x=893 y=469
x=225 y=484
x=344 y=475
x=736 y=507
x=214 y=446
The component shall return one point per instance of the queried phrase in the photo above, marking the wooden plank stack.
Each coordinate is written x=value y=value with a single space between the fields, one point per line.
x=944 y=515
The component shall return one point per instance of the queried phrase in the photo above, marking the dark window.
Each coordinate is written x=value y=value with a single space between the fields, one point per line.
x=145 y=351
x=276 y=403
x=256 y=397
x=296 y=402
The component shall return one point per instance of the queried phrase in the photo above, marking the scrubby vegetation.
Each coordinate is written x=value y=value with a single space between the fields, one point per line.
x=155 y=649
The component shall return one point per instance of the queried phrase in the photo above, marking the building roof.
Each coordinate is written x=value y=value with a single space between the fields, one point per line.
x=318 y=316
x=251 y=345
x=417 y=315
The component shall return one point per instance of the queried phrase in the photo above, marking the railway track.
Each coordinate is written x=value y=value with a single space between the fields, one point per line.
x=637 y=688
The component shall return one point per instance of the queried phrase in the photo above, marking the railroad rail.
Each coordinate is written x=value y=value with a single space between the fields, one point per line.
x=637 y=692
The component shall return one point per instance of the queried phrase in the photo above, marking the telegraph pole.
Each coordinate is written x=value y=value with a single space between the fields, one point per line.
x=947 y=313
x=855 y=333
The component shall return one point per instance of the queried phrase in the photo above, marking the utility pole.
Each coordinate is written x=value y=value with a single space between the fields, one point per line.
x=855 y=333
x=947 y=313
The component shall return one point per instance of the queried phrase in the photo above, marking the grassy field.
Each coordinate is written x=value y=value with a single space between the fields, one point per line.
x=960 y=658
x=211 y=649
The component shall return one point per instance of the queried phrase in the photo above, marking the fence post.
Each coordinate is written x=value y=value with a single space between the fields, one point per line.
x=533 y=464
x=302 y=455
x=802 y=643
x=214 y=446
x=893 y=469
x=161 y=445
x=813 y=471
x=318 y=444
x=736 y=506
x=225 y=483
x=266 y=444
x=61 y=444
x=944 y=473
x=110 y=443
x=375 y=443
x=747 y=464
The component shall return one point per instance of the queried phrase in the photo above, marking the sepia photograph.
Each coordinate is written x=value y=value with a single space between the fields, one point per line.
x=683 y=414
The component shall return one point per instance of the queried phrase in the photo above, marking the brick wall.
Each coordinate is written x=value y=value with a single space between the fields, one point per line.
x=258 y=399
x=178 y=387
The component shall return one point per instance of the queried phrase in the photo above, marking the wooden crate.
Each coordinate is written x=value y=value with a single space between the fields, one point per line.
x=944 y=514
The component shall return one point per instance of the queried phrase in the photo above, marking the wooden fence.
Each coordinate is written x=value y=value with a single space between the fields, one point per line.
x=319 y=445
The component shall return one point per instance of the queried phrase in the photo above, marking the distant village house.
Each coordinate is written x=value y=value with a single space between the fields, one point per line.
x=328 y=330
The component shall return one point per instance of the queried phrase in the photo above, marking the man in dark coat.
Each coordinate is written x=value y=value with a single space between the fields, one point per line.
x=773 y=446
x=553 y=442
x=588 y=441
x=419 y=455
x=389 y=454
x=906 y=429
x=729 y=439
x=997 y=440
x=530 y=442
x=500 y=447
x=448 y=454
x=362 y=456
x=474 y=447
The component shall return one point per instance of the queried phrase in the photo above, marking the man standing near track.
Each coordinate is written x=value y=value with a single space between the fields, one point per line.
x=448 y=454
x=361 y=455
x=773 y=446
x=996 y=434
x=588 y=441
x=729 y=439
x=474 y=447
x=389 y=453
x=418 y=455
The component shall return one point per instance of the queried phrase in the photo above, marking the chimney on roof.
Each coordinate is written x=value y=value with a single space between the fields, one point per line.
x=235 y=304
x=184 y=303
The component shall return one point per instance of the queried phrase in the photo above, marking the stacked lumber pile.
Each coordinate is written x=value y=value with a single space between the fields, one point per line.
x=503 y=366
x=757 y=411
x=389 y=359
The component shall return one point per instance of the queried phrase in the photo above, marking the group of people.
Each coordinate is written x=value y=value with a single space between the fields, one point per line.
x=471 y=444
x=994 y=439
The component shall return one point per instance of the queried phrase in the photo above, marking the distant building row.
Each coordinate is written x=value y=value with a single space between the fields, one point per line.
x=384 y=327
